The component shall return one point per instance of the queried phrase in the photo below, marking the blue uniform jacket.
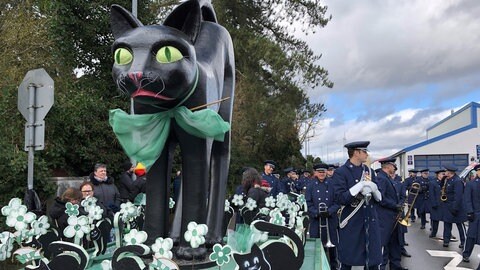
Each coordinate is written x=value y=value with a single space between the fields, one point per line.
x=436 y=210
x=454 y=212
x=352 y=238
x=472 y=205
x=422 y=204
x=273 y=182
x=322 y=192
x=387 y=212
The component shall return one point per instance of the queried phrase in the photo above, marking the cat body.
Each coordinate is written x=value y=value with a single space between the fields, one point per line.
x=274 y=254
x=188 y=61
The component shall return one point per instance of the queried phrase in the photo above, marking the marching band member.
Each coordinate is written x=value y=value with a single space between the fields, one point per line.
x=423 y=203
x=330 y=170
x=472 y=206
x=390 y=206
x=356 y=192
x=453 y=209
x=412 y=176
x=435 y=201
x=268 y=176
x=323 y=211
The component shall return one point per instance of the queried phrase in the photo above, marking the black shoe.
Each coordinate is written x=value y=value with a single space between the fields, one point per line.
x=413 y=220
x=445 y=244
x=423 y=227
x=466 y=259
x=432 y=236
x=427 y=221
x=405 y=244
x=461 y=246
x=453 y=237
x=406 y=254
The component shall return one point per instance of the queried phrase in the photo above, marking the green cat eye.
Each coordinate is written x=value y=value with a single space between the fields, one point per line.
x=123 y=56
x=168 y=54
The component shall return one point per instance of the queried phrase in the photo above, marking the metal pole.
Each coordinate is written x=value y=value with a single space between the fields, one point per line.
x=31 y=133
x=135 y=13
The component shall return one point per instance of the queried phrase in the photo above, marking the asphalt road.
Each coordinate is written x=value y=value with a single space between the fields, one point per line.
x=429 y=254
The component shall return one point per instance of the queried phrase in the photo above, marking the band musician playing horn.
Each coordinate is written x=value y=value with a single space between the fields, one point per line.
x=436 y=211
x=454 y=211
x=359 y=242
x=323 y=212
x=388 y=214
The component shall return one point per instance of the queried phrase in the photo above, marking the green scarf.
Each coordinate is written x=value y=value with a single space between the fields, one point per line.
x=143 y=136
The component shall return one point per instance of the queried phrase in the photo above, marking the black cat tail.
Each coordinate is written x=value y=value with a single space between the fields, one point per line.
x=282 y=230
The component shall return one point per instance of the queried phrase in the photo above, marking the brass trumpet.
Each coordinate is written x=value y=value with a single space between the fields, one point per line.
x=412 y=194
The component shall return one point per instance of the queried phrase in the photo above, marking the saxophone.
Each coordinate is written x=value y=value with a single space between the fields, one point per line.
x=443 y=192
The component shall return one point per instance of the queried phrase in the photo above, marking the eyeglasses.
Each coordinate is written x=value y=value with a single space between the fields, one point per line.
x=87 y=191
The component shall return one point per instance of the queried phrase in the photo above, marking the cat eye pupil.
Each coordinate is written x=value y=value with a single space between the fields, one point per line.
x=168 y=54
x=246 y=264
x=255 y=260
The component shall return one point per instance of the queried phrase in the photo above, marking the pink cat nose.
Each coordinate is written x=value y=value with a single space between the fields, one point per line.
x=135 y=76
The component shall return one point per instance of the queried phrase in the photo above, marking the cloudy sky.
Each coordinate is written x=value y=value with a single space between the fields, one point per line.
x=398 y=67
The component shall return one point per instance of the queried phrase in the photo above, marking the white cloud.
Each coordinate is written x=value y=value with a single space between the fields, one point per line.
x=398 y=67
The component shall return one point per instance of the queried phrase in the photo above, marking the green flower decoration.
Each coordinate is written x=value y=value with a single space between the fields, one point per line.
x=301 y=199
x=277 y=218
x=71 y=209
x=221 y=255
x=27 y=254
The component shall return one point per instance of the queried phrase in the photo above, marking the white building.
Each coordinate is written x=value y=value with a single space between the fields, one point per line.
x=454 y=141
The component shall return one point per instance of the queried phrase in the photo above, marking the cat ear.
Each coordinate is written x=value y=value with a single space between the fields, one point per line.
x=121 y=20
x=187 y=18
x=256 y=249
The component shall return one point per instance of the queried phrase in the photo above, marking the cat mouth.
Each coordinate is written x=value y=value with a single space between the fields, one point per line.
x=145 y=93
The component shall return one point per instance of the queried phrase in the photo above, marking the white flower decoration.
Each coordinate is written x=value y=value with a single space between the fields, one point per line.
x=237 y=200
x=106 y=265
x=135 y=237
x=19 y=218
x=195 y=234
x=128 y=211
x=89 y=203
x=227 y=206
x=283 y=204
x=13 y=204
x=270 y=202
x=77 y=227
x=162 y=248
x=95 y=213
x=171 y=203
x=257 y=235
x=251 y=204
x=41 y=225
x=6 y=245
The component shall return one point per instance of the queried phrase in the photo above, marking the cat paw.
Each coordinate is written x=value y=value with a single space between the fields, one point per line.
x=188 y=253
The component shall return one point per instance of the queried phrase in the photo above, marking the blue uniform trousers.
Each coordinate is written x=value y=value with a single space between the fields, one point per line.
x=392 y=252
x=434 y=228
x=469 y=245
x=447 y=232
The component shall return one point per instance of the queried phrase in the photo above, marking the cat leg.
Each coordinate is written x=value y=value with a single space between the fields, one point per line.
x=218 y=188
x=195 y=154
x=158 y=195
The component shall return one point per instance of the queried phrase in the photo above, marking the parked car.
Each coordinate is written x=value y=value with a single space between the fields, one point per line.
x=468 y=173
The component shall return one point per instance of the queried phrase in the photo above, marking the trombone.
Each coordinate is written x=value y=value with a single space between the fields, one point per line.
x=323 y=208
x=409 y=201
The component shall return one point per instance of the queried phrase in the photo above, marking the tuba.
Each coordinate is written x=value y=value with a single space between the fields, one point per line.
x=409 y=201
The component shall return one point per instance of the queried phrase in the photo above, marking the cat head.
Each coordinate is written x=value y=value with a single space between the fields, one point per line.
x=255 y=260
x=156 y=64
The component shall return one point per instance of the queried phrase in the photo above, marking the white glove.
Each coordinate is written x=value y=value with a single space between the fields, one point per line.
x=357 y=188
x=371 y=188
x=372 y=185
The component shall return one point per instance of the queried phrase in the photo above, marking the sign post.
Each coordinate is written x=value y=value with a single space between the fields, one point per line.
x=35 y=98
